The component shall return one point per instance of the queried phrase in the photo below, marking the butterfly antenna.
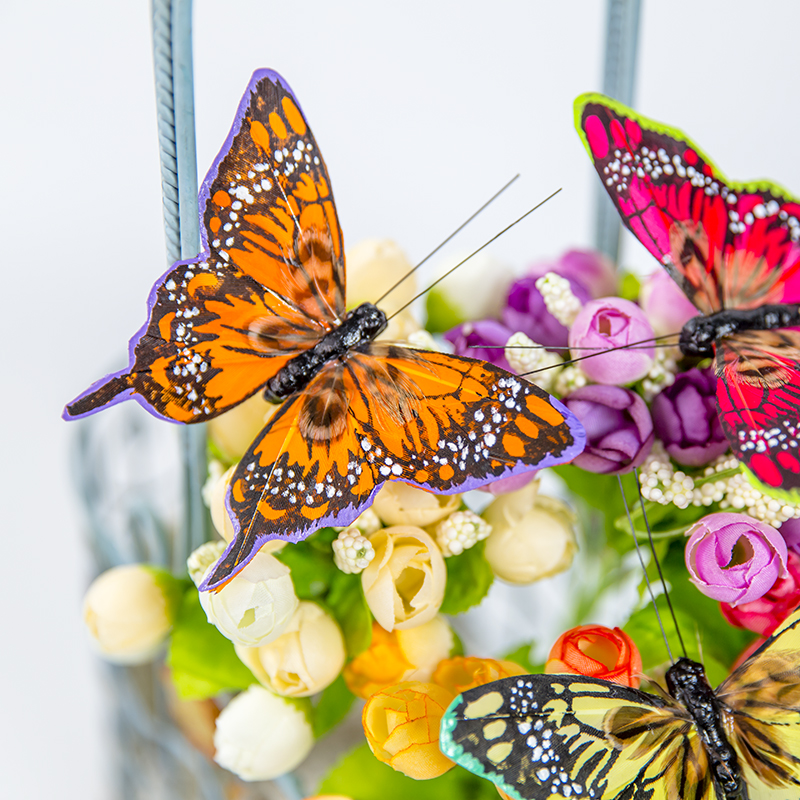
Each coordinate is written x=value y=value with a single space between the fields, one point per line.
x=474 y=253
x=658 y=563
x=644 y=570
x=442 y=244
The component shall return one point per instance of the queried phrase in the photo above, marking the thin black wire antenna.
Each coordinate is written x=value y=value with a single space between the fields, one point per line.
x=474 y=253
x=443 y=243
x=644 y=571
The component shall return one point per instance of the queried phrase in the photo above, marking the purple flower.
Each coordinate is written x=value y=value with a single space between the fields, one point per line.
x=592 y=270
x=666 y=306
x=471 y=339
x=619 y=431
x=685 y=418
x=790 y=530
x=612 y=322
x=525 y=311
x=511 y=484
x=733 y=558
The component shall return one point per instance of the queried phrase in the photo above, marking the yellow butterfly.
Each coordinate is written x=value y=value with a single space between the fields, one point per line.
x=543 y=737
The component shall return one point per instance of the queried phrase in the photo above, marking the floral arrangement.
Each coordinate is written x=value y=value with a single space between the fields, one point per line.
x=283 y=653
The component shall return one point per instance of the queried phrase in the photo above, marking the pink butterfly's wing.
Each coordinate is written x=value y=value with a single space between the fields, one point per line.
x=758 y=396
x=267 y=285
x=442 y=422
x=728 y=245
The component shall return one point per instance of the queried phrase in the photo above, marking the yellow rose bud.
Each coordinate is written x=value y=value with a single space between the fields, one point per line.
x=129 y=611
x=532 y=536
x=404 y=583
x=233 y=432
x=466 y=672
x=397 y=503
x=373 y=267
x=399 y=656
x=401 y=724
x=304 y=660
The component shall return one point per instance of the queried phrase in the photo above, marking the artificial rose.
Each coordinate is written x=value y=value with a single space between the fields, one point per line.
x=256 y=605
x=460 y=673
x=401 y=724
x=734 y=558
x=402 y=655
x=260 y=736
x=611 y=322
x=532 y=536
x=129 y=611
x=510 y=484
x=593 y=271
x=597 y=652
x=619 y=430
x=790 y=530
x=404 y=583
x=484 y=339
x=397 y=503
x=233 y=432
x=305 y=659
x=666 y=307
x=685 y=418
x=765 y=614
x=373 y=267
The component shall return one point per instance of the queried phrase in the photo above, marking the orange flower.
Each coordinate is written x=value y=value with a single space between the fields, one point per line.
x=466 y=672
x=401 y=724
x=598 y=652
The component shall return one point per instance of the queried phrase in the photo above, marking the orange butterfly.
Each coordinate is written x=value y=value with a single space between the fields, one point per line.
x=262 y=308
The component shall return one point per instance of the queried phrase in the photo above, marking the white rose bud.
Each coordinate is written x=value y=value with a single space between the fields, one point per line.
x=304 y=660
x=260 y=736
x=373 y=267
x=233 y=432
x=129 y=611
x=532 y=536
x=397 y=503
x=256 y=605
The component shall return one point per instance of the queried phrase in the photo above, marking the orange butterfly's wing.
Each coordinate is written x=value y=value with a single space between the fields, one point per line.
x=269 y=281
x=442 y=422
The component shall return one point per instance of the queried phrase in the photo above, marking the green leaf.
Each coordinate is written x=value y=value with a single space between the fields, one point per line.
x=311 y=564
x=629 y=287
x=361 y=776
x=202 y=660
x=171 y=587
x=347 y=603
x=441 y=313
x=331 y=707
x=469 y=577
x=522 y=656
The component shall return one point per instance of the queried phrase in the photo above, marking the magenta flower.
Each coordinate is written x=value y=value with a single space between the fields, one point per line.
x=484 y=339
x=685 y=418
x=594 y=272
x=733 y=558
x=790 y=530
x=665 y=305
x=510 y=484
x=612 y=322
x=619 y=431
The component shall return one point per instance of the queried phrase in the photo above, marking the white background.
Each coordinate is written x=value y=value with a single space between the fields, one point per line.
x=422 y=110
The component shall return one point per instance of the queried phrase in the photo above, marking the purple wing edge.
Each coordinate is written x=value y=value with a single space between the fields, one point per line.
x=205 y=190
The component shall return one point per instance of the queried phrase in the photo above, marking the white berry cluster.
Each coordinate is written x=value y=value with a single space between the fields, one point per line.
x=569 y=379
x=460 y=531
x=352 y=552
x=524 y=355
x=663 y=484
x=559 y=298
x=421 y=340
x=662 y=373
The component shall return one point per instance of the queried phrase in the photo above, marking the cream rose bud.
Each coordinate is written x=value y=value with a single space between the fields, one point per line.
x=256 y=605
x=397 y=503
x=373 y=267
x=304 y=660
x=233 y=432
x=260 y=736
x=424 y=646
x=532 y=536
x=404 y=583
x=129 y=611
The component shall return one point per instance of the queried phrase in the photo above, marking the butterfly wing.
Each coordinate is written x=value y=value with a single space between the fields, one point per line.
x=762 y=699
x=728 y=245
x=269 y=281
x=544 y=736
x=442 y=422
x=758 y=396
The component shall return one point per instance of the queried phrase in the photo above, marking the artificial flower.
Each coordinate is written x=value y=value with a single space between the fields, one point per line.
x=402 y=655
x=460 y=531
x=233 y=432
x=594 y=272
x=397 y=503
x=129 y=612
x=401 y=724
x=619 y=430
x=510 y=484
x=305 y=659
x=460 y=673
x=733 y=558
x=484 y=339
x=373 y=267
x=404 y=583
x=790 y=530
x=611 y=322
x=214 y=493
x=767 y=612
x=260 y=736
x=597 y=652
x=685 y=418
x=665 y=305
x=352 y=551
x=256 y=605
x=532 y=536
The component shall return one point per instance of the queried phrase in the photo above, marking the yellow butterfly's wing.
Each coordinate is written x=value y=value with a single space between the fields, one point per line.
x=563 y=736
x=761 y=700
